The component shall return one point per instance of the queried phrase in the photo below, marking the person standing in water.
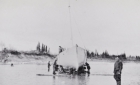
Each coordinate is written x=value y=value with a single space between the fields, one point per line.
x=54 y=67
x=88 y=68
x=118 y=66
x=49 y=66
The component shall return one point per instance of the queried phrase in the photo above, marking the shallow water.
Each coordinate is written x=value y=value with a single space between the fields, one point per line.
x=101 y=74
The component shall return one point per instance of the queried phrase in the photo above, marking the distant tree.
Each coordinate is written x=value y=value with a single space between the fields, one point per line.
x=88 y=54
x=46 y=49
x=106 y=54
x=123 y=56
x=103 y=55
x=42 y=50
x=113 y=56
x=38 y=47
x=92 y=54
x=96 y=53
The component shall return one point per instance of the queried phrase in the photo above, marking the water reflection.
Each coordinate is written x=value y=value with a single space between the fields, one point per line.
x=71 y=80
x=54 y=80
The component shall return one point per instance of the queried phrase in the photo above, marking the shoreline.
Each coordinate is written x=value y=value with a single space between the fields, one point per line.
x=111 y=60
x=44 y=62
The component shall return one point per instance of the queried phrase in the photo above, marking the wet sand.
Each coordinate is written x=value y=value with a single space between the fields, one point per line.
x=101 y=74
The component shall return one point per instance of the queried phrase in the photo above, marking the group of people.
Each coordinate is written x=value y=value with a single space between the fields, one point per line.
x=118 y=66
x=84 y=69
x=55 y=66
x=59 y=68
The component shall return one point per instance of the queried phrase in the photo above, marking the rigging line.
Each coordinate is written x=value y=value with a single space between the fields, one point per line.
x=70 y=23
x=79 y=32
x=62 y=36
x=81 y=37
x=62 y=39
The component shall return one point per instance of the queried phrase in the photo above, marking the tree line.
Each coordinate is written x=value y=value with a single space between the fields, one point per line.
x=40 y=50
x=43 y=48
x=104 y=55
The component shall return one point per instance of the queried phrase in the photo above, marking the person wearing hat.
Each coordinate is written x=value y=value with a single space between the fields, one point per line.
x=118 y=66
x=61 y=49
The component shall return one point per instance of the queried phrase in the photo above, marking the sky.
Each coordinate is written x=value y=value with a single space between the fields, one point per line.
x=111 y=25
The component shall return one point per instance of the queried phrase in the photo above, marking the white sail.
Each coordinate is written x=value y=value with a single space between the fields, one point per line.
x=72 y=57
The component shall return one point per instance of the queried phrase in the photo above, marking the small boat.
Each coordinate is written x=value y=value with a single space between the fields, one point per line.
x=74 y=57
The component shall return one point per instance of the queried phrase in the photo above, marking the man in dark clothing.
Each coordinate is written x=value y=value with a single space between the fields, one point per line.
x=88 y=67
x=49 y=66
x=81 y=70
x=54 y=67
x=118 y=66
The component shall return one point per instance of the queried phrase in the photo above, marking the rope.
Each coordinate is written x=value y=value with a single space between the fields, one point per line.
x=77 y=28
x=62 y=39
x=79 y=33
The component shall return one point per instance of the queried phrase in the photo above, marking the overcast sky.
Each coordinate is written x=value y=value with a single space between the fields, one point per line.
x=112 y=25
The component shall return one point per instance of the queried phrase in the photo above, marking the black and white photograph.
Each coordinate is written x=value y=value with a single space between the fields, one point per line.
x=69 y=42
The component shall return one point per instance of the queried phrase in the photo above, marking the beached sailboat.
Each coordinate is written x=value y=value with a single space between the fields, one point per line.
x=73 y=57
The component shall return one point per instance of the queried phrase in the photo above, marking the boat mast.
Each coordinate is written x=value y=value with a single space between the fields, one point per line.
x=70 y=23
